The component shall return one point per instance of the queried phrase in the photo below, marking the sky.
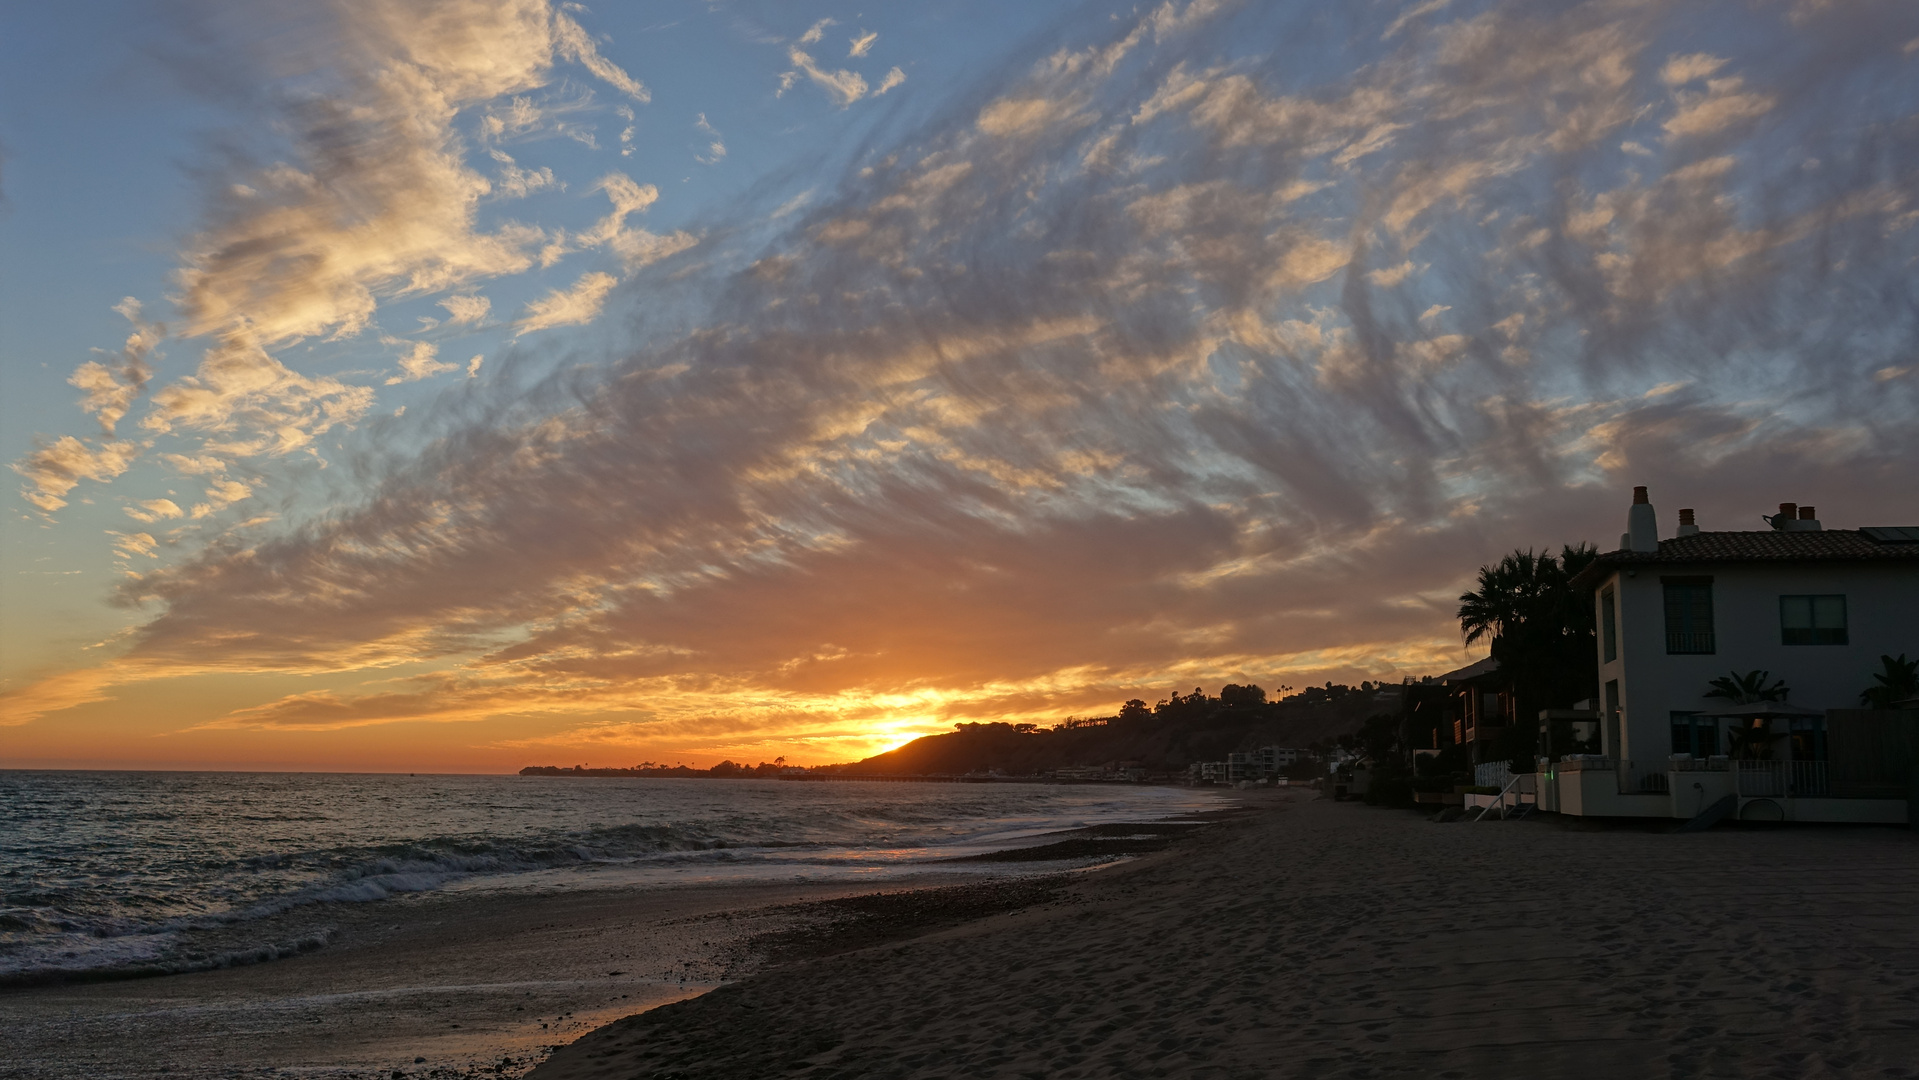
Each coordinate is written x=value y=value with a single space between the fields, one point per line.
x=408 y=386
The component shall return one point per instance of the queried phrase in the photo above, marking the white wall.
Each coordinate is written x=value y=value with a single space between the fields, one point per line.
x=1882 y=614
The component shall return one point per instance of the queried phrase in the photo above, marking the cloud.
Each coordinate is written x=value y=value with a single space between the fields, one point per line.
x=55 y=469
x=893 y=78
x=635 y=247
x=222 y=494
x=1389 y=276
x=374 y=200
x=573 y=43
x=844 y=87
x=1680 y=70
x=716 y=149
x=365 y=194
x=112 y=387
x=572 y=307
x=792 y=204
x=1722 y=105
x=816 y=31
x=154 y=510
x=377 y=200
x=473 y=365
x=253 y=402
x=862 y=43
x=514 y=182
x=466 y=310
x=134 y=545
x=420 y=362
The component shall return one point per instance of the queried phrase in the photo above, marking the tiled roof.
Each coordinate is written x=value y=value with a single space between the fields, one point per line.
x=1473 y=670
x=1826 y=545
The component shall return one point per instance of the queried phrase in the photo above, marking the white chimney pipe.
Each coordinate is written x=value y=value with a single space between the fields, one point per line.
x=1642 y=526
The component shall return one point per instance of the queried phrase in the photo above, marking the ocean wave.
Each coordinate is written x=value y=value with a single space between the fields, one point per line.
x=140 y=877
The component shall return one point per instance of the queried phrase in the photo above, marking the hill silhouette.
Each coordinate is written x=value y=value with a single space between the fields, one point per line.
x=1162 y=738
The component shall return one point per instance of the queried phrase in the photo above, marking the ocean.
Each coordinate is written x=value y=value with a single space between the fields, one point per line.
x=118 y=873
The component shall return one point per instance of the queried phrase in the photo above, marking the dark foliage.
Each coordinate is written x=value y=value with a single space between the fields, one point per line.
x=1899 y=681
x=1542 y=633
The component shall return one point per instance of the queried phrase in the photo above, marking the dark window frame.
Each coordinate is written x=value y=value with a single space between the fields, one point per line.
x=1813 y=633
x=1609 y=623
x=1690 y=599
x=1699 y=734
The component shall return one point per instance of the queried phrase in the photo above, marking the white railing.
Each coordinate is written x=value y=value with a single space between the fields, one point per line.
x=1688 y=763
x=1781 y=779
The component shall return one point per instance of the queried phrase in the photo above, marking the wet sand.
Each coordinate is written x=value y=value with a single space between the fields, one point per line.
x=1320 y=939
x=466 y=982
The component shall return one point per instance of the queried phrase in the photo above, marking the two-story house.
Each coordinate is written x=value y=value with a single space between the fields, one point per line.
x=1815 y=607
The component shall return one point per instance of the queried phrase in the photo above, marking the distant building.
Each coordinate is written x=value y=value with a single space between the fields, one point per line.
x=1081 y=772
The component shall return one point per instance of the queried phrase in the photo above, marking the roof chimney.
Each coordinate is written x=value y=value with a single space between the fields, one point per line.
x=1642 y=527
x=1687 y=527
x=1805 y=522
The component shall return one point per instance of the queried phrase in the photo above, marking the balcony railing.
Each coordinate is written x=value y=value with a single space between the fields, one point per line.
x=1689 y=641
x=1689 y=763
x=1781 y=779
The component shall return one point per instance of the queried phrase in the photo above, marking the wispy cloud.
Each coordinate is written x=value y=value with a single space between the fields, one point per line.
x=862 y=43
x=570 y=307
x=466 y=310
x=716 y=146
x=843 y=86
x=421 y=361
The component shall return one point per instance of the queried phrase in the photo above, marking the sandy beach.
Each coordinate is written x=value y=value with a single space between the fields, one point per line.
x=1301 y=938
x=1321 y=939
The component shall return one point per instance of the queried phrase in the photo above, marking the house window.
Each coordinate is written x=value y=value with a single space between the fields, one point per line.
x=1812 y=620
x=1688 y=615
x=1609 y=623
x=1694 y=734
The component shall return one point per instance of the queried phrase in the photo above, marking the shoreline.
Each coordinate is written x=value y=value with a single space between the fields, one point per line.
x=485 y=982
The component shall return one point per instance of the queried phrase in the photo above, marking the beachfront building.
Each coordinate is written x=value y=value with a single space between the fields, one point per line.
x=1814 y=607
x=1258 y=765
x=1472 y=707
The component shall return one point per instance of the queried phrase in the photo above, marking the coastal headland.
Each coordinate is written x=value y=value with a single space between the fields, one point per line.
x=1322 y=939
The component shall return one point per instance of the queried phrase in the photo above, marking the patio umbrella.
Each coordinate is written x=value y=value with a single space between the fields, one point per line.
x=1759 y=710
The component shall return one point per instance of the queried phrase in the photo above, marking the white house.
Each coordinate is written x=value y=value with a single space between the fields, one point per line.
x=1815 y=607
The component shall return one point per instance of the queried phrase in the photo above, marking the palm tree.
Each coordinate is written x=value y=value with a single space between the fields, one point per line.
x=1748 y=688
x=1898 y=682
x=1541 y=628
